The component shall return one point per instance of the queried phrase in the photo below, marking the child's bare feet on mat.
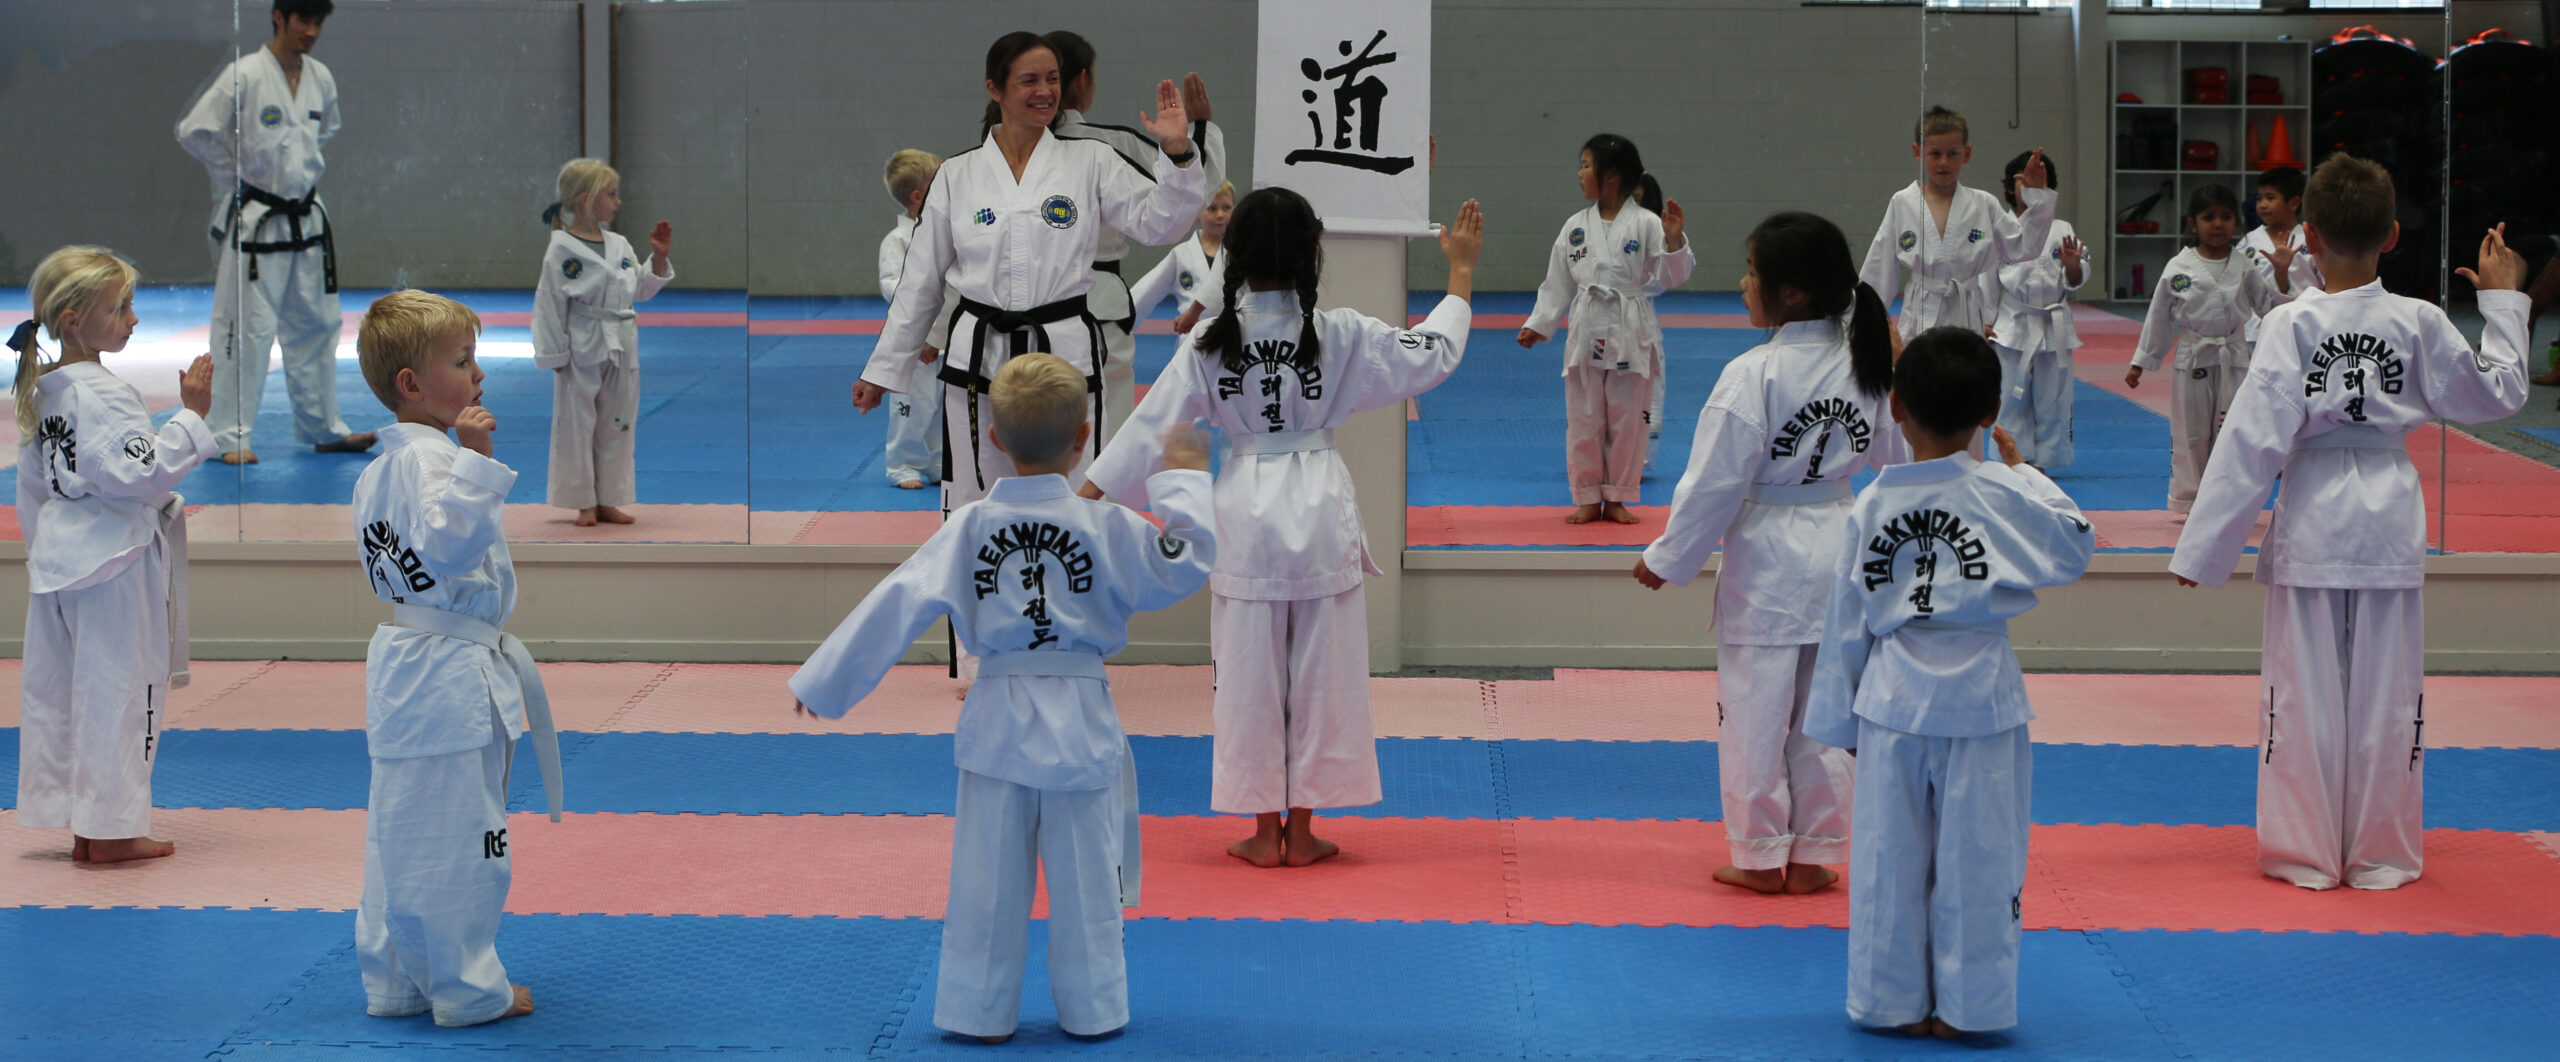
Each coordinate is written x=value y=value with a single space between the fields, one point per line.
x=995 y=1039
x=240 y=457
x=1263 y=848
x=611 y=515
x=1584 y=514
x=586 y=518
x=1919 y=1028
x=911 y=484
x=1303 y=847
x=356 y=443
x=102 y=850
x=1772 y=881
x=79 y=849
x=524 y=1003
x=1618 y=514
x=1940 y=1029
x=1803 y=878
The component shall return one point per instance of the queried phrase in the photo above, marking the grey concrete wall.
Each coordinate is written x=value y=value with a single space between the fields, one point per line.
x=680 y=133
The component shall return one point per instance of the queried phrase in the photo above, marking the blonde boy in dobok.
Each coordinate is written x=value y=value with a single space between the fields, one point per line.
x=586 y=332
x=1917 y=678
x=2340 y=378
x=1949 y=238
x=1040 y=585
x=446 y=694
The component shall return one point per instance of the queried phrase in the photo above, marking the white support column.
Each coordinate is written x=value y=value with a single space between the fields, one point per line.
x=595 y=79
x=1366 y=273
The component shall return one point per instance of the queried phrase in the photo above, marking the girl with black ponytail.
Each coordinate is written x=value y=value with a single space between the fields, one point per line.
x=1288 y=624
x=1790 y=421
x=1609 y=261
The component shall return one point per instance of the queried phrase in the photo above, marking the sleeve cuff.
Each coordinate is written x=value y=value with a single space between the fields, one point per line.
x=485 y=473
x=199 y=435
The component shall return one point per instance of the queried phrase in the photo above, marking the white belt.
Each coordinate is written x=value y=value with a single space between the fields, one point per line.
x=1059 y=663
x=1279 y=442
x=173 y=547
x=1999 y=627
x=1944 y=292
x=2035 y=326
x=2221 y=345
x=537 y=705
x=601 y=313
x=1799 y=493
x=2354 y=437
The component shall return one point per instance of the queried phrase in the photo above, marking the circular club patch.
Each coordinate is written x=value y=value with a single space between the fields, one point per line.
x=571 y=267
x=984 y=216
x=1632 y=245
x=626 y=261
x=1059 y=211
x=1974 y=237
x=1909 y=239
x=270 y=115
x=2181 y=282
x=1184 y=279
x=1574 y=237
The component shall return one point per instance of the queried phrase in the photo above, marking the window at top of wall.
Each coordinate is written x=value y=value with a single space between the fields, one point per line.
x=1990 y=5
x=2316 y=4
x=2184 y=5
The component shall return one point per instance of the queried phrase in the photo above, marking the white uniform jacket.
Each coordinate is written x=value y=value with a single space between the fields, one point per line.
x=1288 y=522
x=2034 y=297
x=582 y=311
x=250 y=128
x=2204 y=306
x=1769 y=477
x=2305 y=273
x=427 y=522
x=1017 y=246
x=1186 y=274
x=1938 y=556
x=893 y=264
x=95 y=477
x=1603 y=276
x=2339 y=381
x=1208 y=145
x=1029 y=570
x=1946 y=269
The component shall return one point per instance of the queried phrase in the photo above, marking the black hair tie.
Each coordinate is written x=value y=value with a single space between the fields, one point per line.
x=551 y=214
x=24 y=339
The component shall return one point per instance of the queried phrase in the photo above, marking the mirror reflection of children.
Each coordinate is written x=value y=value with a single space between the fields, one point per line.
x=106 y=548
x=1600 y=273
x=2202 y=306
x=1948 y=238
x=913 y=455
x=2034 y=333
x=585 y=331
x=1190 y=270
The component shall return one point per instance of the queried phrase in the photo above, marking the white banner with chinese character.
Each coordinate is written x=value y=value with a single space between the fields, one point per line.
x=1342 y=110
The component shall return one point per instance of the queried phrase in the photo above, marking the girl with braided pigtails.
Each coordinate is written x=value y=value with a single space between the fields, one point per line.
x=1288 y=625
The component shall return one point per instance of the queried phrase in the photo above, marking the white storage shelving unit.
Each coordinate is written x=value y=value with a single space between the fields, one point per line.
x=2156 y=72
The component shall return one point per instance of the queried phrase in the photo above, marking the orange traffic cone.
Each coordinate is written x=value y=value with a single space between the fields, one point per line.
x=2280 y=148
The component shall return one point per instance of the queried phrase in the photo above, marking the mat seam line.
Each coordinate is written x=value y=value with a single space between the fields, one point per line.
x=263 y=668
x=1514 y=902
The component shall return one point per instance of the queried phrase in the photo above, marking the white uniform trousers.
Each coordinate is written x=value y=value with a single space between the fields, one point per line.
x=1653 y=413
x=1291 y=707
x=91 y=700
x=593 y=411
x=1786 y=796
x=287 y=301
x=2198 y=400
x=914 y=453
x=1604 y=434
x=1005 y=837
x=1119 y=380
x=1935 y=879
x=436 y=872
x=2342 y=761
x=2035 y=404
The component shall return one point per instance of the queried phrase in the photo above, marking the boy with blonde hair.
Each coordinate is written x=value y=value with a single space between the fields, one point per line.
x=2340 y=377
x=1951 y=238
x=914 y=452
x=446 y=694
x=1039 y=585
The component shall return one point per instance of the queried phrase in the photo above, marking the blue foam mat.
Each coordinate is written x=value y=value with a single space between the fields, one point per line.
x=911 y=774
x=828 y=987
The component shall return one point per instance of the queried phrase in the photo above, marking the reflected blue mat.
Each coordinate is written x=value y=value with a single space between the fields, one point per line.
x=911 y=774
x=2549 y=435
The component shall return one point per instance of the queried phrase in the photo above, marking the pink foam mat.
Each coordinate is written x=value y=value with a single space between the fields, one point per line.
x=1602 y=705
x=1524 y=525
x=273 y=522
x=1645 y=872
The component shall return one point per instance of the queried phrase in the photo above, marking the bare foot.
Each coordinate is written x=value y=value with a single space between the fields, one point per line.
x=240 y=457
x=1804 y=878
x=1940 y=1029
x=2549 y=379
x=79 y=849
x=1919 y=1028
x=1258 y=850
x=1771 y=881
x=962 y=693
x=611 y=515
x=586 y=518
x=995 y=1039
x=524 y=1003
x=352 y=444
x=1618 y=513
x=912 y=484
x=1303 y=847
x=102 y=850
x=1583 y=515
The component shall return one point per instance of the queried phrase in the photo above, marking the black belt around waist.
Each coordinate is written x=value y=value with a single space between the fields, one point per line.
x=1024 y=331
x=1112 y=267
x=293 y=211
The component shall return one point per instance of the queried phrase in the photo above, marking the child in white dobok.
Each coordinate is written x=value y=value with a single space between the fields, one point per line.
x=1918 y=680
x=913 y=454
x=1288 y=619
x=106 y=560
x=2204 y=303
x=2034 y=333
x=446 y=693
x=1790 y=421
x=1602 y=272
x=1948 y=238
x=1039 y=585
x=2340 y=378
x=586 y=332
